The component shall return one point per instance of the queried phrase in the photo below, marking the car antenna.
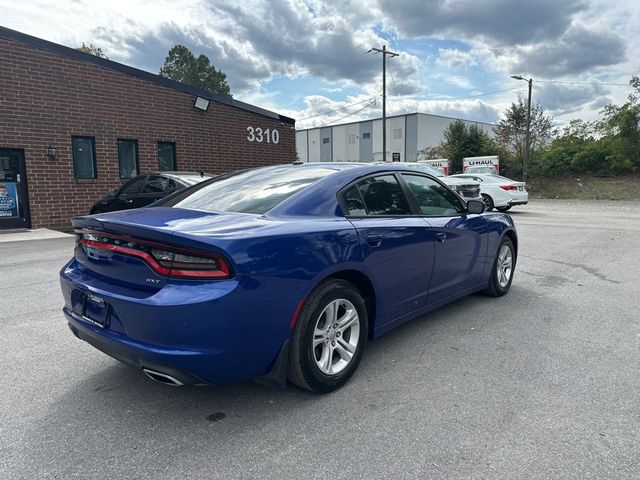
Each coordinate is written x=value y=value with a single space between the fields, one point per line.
x=202 y=174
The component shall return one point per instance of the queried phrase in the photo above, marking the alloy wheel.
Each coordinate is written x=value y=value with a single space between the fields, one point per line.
x=505 y=266
x=335 y=336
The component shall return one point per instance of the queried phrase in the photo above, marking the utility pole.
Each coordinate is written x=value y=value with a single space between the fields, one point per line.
x=527 y=140
x=384 y=53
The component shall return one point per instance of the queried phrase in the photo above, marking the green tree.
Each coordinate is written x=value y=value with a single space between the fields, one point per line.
x=183 y=66
x=512 y=130
x=460 y=140
x=621 y=125
x=93 y=50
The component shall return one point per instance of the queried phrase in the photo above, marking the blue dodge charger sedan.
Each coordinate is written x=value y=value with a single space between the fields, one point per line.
x=279 y=273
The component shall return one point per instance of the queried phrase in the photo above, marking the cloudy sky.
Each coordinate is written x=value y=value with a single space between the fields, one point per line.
x=311 y=59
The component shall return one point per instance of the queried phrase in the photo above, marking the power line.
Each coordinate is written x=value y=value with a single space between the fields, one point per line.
x=337 y=109
x=350 y=114
x=581 y=83
x=473 y=96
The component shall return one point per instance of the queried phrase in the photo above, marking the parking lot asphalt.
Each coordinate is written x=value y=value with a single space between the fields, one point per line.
x=541 y=383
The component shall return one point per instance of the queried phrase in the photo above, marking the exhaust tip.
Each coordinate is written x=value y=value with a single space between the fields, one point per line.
x=162 y=378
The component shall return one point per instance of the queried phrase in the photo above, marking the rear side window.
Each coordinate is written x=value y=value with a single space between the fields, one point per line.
x=432 y=198
x=251 y=191
x=380 y=195
x=158 y=184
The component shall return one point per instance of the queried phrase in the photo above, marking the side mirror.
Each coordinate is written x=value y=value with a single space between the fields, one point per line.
x=111 y=193
x=475 y=206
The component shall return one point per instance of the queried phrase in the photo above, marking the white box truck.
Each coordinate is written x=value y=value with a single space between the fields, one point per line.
x=488 y=164
x=441 y=164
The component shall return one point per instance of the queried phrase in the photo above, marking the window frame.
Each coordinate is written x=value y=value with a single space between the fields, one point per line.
x=354 y=183
x=175 y=155
x=135 y=142
x=462 y=203
x=93 y=156
x=411 y=199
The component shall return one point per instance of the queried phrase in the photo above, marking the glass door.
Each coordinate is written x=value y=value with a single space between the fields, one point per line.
x=14 y=201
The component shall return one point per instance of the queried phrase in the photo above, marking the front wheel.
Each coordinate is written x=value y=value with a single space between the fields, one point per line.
x=329 y=337
x=488 y=202
x=503 y=267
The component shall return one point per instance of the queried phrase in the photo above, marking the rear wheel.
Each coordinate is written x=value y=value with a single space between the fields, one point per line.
x=503 y=209
x=329 y=337
x=503 y=267
x=488 y=202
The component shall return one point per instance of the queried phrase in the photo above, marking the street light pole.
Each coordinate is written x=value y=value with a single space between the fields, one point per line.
x=527 y=141
x=384 y=52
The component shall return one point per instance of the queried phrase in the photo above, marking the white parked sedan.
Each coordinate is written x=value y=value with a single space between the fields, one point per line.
x=499 y=192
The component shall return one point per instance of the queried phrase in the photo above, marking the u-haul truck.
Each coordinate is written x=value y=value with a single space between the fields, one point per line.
x=441 y=164
x=476 y=162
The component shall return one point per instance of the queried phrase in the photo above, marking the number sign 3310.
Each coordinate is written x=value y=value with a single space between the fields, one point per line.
x=257 y=134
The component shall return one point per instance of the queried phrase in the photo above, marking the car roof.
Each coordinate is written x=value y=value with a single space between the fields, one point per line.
x=179 y=174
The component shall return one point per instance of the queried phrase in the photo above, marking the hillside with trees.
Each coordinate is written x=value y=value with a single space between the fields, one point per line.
x=608 y=146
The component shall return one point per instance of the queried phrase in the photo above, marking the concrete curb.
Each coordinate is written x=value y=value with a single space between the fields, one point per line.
x=36 y=234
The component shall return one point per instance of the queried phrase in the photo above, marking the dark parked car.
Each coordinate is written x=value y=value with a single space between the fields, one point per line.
x=145 y=189
x=280 y=272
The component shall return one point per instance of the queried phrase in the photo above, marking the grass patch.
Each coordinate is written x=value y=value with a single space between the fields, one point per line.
x=626 y=187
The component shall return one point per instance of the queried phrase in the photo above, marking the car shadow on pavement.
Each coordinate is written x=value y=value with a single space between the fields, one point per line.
x=119 y=407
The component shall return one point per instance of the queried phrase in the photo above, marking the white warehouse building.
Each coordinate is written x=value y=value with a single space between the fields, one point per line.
x=362 y=141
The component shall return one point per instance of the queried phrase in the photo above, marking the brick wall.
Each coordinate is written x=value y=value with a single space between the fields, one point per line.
x=45 y=98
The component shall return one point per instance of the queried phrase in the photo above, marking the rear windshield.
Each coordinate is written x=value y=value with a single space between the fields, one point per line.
x=249 y=191
x=193 y=179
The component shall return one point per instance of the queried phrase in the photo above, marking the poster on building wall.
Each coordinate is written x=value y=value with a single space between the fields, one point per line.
x=8 y=200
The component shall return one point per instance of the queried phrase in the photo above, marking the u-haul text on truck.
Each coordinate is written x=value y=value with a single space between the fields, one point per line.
x=441 y=164
x=488 y=161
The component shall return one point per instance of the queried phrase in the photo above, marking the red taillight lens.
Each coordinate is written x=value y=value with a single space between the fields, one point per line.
x=508 y=187
x=166 y=260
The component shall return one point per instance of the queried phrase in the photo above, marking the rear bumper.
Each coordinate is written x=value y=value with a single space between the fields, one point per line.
x=198 y=333
x=138 y=356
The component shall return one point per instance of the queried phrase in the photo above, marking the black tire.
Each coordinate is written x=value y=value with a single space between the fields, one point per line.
x=498 y=287
x=304 y=370
x=504 y=209
x=488 y=202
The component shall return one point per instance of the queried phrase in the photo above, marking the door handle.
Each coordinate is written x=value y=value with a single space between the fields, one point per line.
x=441 y=237
x=374 y=240
x=128 y=201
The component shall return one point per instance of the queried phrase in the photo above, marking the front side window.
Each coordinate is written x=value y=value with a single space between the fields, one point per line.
x=133 y=186
x=128 y=158
x=433 y=198
x=166 y=156
x=84 y=157
x=381 y=195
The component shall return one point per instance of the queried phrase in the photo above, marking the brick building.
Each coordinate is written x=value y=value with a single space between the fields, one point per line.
x=73 y=126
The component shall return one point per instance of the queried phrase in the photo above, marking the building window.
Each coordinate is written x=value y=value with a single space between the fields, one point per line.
x=325 y=140
x=84 y=157
x=366 y=136
x=166 y=156
x=128 y=158
x=397 y=133
x=352 y=139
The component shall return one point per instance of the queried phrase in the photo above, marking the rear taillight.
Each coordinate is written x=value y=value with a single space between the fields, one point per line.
x=508 y=187
x=168 y=260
